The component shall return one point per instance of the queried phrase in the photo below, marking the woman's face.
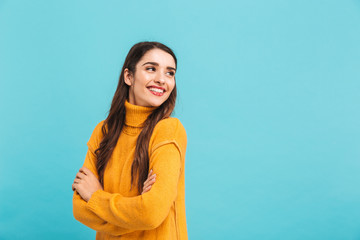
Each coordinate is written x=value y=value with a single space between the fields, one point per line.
x=154 y=79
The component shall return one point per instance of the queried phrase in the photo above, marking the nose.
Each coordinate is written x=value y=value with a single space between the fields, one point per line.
x=160 y=79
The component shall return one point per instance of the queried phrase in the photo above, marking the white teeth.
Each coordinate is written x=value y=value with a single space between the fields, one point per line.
x=156 y=90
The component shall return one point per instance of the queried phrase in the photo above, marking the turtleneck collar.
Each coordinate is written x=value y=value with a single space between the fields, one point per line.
x=136 y=115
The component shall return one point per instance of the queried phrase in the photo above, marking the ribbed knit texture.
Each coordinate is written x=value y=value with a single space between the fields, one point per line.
x=119 y=211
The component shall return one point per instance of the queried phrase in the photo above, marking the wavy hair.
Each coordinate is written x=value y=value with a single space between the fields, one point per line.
x=115 y=120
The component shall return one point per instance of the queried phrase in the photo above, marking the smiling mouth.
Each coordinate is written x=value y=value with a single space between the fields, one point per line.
x=156 y=91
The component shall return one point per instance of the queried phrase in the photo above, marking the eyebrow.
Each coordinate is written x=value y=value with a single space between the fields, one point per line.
x=156 y=64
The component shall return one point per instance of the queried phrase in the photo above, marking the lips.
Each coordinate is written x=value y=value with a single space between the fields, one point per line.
x=157 y=91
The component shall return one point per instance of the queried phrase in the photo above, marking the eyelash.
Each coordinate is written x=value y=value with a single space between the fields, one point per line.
x=149 y=68
x=153 y=69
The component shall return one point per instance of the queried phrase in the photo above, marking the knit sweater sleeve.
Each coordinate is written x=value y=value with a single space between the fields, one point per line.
x=80 y=210
x=147 y=211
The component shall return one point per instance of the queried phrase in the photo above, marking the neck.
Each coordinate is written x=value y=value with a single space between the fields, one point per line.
x=136 y=115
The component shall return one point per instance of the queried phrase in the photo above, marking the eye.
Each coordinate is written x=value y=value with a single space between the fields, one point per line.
x=171 y=73
x=150 y=68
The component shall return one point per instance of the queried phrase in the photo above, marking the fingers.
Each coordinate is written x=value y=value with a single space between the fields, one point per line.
x=150 y=173
x=80 y=175
x=146 y=189
x=78 y=178
x=150 y=178
x=74 y=186
x=83 y=173
x=85 y=170
x=150 y=181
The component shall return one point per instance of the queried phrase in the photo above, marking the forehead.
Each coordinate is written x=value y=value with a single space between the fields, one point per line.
x=159 y=56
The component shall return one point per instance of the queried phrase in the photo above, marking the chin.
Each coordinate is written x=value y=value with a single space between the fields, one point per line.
x=156 y=103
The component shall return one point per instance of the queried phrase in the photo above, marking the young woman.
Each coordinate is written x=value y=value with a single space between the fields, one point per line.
x=115 y=192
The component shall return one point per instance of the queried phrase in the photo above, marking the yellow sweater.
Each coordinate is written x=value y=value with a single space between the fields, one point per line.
x=120 y=213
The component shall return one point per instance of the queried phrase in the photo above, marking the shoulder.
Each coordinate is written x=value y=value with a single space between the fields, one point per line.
x=99 y=126
x=170 y=126
x=169 y=130
x=96 y=136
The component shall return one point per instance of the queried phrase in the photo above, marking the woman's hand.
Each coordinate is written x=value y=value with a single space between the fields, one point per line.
x=149 y=182
x=86 y=183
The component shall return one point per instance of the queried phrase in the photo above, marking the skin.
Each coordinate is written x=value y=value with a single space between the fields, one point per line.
x=86 y=183
x=155 y=68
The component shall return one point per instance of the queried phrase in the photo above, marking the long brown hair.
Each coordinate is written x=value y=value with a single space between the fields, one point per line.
x=115 y=121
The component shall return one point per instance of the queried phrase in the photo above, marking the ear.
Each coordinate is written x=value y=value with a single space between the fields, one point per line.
x=128 y=77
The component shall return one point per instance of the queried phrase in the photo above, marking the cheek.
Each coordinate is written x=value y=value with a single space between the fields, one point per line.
x=146 y=77
x=171 y=86
x=141 y=79
x=140 y=83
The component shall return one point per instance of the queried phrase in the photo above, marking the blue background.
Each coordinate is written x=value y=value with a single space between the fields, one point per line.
x=269 y=94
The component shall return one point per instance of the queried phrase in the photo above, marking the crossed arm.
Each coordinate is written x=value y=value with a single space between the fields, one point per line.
x=117 y=215
x=86 y=183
